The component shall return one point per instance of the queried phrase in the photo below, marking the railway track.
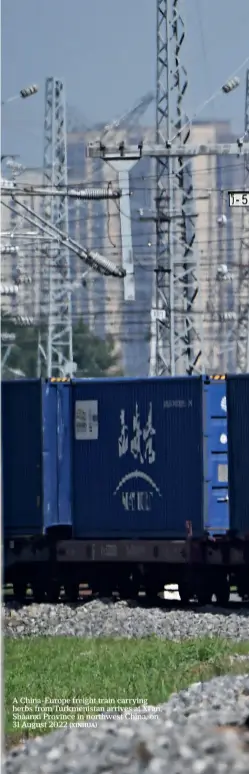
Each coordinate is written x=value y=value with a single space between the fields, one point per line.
x=168 y=599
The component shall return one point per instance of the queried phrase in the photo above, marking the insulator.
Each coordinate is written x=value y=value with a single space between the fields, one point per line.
x=9 y=249
x=224 y=316
x=8 y=185
x=16 y=165
x=222 y=220
x=101 y=264
x=29 y=91
x=23 y=280
x=8 y=337
x=8 y=290
x=94 y=193
x=24 y=321
x=222 y=270
x=231 y=85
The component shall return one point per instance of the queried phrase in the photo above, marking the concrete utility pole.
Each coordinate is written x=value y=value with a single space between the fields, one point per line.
x=242 y=328
x=122 y=169
x=59 y=358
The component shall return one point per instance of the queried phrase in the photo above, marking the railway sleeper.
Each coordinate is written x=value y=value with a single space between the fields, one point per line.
x=20 y=589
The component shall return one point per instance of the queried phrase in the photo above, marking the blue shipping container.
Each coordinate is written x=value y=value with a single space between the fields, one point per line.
x=56 y=455
x=216 y=458
x=238 y=451
x=138 y=457
x=35 y=457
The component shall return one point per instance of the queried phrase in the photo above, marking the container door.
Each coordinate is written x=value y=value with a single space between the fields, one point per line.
x=56 y=455
x=137 y=458
x=22 y=457
x=217 y=519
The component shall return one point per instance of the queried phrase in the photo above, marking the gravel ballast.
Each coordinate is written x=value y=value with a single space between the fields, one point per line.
x=202 y=730
x=100 y=618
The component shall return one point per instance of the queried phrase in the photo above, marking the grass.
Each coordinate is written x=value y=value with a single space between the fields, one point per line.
x=120 y=670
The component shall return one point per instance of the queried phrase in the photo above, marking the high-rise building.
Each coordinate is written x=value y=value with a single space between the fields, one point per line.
x=26 y=264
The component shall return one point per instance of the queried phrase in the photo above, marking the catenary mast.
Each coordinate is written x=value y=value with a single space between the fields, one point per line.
x=175 y=344
x=242 y=328
x=59 y=356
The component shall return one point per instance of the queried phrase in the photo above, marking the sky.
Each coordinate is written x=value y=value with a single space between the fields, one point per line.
x=105 y=50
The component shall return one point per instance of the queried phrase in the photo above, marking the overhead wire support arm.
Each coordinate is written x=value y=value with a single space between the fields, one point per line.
x=92 y=258
x=72 y=193
x=135 y=152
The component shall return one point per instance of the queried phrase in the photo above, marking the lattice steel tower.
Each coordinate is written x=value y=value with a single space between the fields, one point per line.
x=242 y=354
x=59 y=356
x=175 y=327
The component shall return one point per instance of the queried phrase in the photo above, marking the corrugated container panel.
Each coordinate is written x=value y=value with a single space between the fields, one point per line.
x=56 y=455
x=22 y=457
x=238 y=451
x=64 y=467
x=49 y=454
x=137 y=457
x=217 y=463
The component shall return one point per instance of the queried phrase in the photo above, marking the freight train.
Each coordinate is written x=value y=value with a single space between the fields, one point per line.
x=126 y=485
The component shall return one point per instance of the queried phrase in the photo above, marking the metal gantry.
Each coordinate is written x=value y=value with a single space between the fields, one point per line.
x=242 y=332
x=59 y=356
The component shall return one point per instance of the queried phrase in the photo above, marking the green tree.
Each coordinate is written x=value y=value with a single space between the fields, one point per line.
x=94 y=356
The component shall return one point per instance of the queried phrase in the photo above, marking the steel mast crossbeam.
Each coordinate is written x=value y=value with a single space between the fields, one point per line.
x=136 y=152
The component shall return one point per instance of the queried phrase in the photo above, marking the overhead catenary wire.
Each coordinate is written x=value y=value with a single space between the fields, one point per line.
x=92 y=258
x=139 y=246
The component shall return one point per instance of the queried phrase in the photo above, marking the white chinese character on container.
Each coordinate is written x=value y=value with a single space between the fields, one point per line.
x=136 y=441
x=123 y=438
x=148 y=433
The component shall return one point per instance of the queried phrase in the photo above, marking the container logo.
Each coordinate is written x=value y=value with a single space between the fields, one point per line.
x=140 y=445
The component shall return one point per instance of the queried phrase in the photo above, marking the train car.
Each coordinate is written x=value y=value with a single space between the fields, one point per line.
x=136 y=470
x=36 y=474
